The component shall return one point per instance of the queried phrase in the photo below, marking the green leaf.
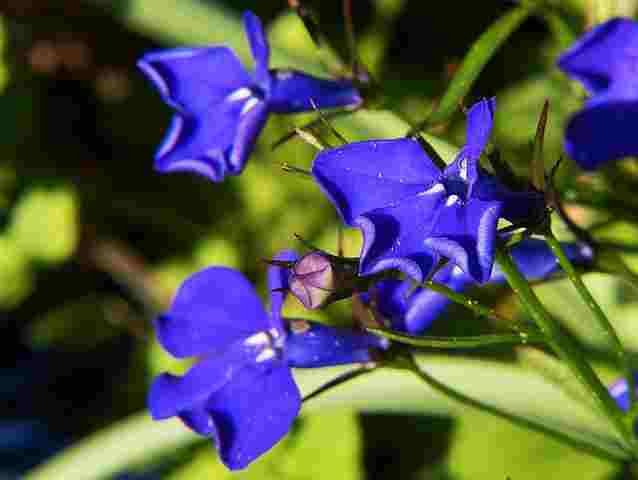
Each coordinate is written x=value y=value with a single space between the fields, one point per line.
x=475 y=60
x=45 y=223
x=504 y=386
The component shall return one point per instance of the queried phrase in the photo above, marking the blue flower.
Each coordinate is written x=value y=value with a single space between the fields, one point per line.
x=241 y=392
x=619 y=391
x=605 y=61
x=411 y=213
x=413 y=310
x=221 y=107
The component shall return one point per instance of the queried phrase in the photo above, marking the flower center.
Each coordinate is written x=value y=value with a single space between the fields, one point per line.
x=267 y=344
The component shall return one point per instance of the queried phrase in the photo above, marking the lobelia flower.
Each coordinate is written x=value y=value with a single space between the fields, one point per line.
x=619 y=391
x=221 y=107
x=411 y=213
x=241 y=393
x=413 y=310
x=605 y=61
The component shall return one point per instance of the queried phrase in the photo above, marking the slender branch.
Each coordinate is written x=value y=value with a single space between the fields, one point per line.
x=564 y=346
x=335 y=382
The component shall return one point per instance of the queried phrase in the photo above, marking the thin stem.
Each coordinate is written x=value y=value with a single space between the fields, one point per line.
x=335 y=382
x=468 y=302
x=454 y=343
x=516 y=420
x=602 y=320
x=563 y=345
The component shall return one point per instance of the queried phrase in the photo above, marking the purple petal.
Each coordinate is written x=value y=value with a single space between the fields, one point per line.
x=311 y=344
x=170 y=395
x=278 y=280
x=605 y=56
x=192 y=80
x=480 y=119
x=258 y=45
x=363 y=176
x=250 y=124
x=292 y=92
x=394 y=237
x=202 y=145
x=536 y=261
x=424 y=305
x=213 y=309
x=465 y=233
x=604 y=130
x=252 y=413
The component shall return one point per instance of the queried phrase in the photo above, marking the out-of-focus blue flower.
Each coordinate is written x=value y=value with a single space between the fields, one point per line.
x=241 y=392
x=605 y=61
x=413 y=310
x=620 y=392
x=411 y=213
x=221 y=107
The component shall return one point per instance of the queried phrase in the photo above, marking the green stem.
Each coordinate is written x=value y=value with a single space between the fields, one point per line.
x=603 y=322
x=563 y=345
x=514 y=419
x=478 y=341
x=466 y=301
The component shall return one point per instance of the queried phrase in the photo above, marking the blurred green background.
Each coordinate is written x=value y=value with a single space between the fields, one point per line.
x=92 y=240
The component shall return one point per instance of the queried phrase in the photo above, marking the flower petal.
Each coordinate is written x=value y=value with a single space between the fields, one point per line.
x=393 y=237
x=213 y=309
x=252 y=413
x=277 y=281
x=258 y=45
x=311 y=344
x=250 y=124
x=292 y=92
x=480 y=118
x=465 y=233
x=170 y=395
x=604 y=130
x=201 y=145
x=192 y=80
x=363 y=176
x=604 y=57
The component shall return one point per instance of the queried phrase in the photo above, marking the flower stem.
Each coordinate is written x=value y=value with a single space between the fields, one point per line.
x=603 y=322
x=478 y=341
x=468 y=302
x=440 y=387
x=564 y=346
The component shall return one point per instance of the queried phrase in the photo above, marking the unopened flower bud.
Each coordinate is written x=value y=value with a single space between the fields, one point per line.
x=317 y=279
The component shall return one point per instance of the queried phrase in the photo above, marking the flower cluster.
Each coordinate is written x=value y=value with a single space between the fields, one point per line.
x=419 y=220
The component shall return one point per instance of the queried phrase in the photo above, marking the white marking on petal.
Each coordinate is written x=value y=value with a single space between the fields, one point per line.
x=261 y=338
x=239 y=94
x=451 y=200
x=436 y=188
x=265 y=354
x=248 y=106
x=463 y=169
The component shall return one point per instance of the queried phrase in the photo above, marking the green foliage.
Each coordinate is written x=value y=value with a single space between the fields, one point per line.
x=321 y=446
x=44 y=223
